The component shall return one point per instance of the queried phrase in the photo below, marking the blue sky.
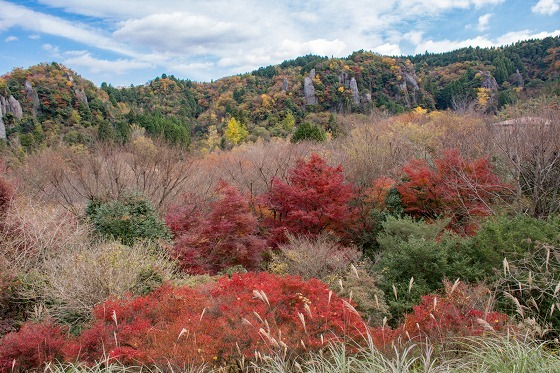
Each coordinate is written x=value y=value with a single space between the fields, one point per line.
x=125 y=42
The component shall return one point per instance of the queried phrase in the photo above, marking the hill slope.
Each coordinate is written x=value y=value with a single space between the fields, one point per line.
x=49 y=103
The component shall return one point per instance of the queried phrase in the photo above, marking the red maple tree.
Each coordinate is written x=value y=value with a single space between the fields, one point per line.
x=228 y=236
x=316 y=199
x=454 y=188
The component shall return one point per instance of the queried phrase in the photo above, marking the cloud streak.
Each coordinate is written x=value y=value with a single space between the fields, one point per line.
x=202 y=39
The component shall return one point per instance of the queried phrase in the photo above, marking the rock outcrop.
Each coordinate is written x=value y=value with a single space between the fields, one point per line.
x=516 y=79
x=409 y=84
x=81 y=96
x=2 y=125
x=309 y=89
x=285 y=85
x=355 y=92
x=344 y=79
x=33 y=97
x=11 y=105
x=489 y=82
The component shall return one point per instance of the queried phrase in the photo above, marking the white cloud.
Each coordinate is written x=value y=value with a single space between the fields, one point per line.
x=205 y=39
x=180 y=32
x=546 y=7
x=512 y=37
x=15 y=15
x=84 y=59
x=10 y=38
x=448 y=45
x=53 y=51
x=414 y=37
x=388 y=49
x=34 y=36
x=483 y=22
x=481 y=41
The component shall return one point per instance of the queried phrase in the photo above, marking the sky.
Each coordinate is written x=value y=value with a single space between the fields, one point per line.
x=124 y=42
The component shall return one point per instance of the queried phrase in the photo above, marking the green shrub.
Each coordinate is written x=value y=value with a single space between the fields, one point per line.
x=127 y=220
x=512 y=237
x=415 y=258
x=308 y=132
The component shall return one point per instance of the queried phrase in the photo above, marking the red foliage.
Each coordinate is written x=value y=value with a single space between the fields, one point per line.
x=438 y=318
x=148 y=329
x=455 y=188
x=316 y=199
x=227 y=237
x=377 y=193
x=441 y=317
x=272 y=308
x=245 y=313
x=32 y=346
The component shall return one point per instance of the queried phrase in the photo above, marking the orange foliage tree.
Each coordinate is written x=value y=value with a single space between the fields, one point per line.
x=454 y=188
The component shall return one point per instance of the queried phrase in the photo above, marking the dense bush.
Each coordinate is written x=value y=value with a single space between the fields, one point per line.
x=454 y=188
x=127 y=219
x=308 y=132
x=227 y=237
x=415 y=258
x=316 y=199
x=512 y=237
x=233 y=318
x=32 y=346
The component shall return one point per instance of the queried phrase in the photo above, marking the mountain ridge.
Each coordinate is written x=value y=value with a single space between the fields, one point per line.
x=49 y=103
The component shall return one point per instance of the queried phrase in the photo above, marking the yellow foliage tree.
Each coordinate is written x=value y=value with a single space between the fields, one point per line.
x=419 y=110
x=235 y=131
x=482 y=96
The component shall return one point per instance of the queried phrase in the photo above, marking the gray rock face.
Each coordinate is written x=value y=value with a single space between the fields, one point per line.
x=354 y=89
x=344 y=79
x=11 y=105
x=2 y=125
x=81 y=96
x=32 y=96
x=490 y=82
x=15 y=108
x=411 y=81
x=309 y=89
x=516 y=79
x=312 y=74
x=285 y=85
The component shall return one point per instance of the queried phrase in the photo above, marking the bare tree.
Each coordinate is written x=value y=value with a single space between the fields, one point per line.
x=530 y=146
x=72 y=176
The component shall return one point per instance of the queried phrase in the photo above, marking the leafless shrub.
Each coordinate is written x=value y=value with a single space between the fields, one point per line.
x=529 y=145
x=31 y=232
x=71 y=176
x=369 y=151
x=253 y=166
x=321 y=257
x=71 y=282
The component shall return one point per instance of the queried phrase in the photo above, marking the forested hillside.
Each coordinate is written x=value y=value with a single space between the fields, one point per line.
x=48 y=103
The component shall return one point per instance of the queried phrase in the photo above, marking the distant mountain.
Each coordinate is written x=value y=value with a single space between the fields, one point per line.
x=49 y=103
